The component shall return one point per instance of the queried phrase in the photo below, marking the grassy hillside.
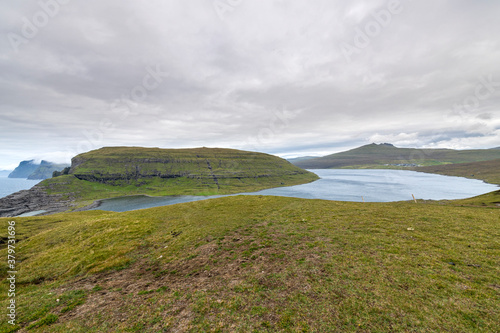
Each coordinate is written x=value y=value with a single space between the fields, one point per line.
x=257 y=264
x=491 y=199
x=489 y=171
x=377 y=156
x=118 y=171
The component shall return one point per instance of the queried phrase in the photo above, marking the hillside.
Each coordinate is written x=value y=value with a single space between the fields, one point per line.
x=213 y=166
x=491 y=199
x=119 y=171
x=489 y=171
x=46 y=169
x=24 y=169
x=258 y=264
x=32 y=170
x=389 y=156
x=302 y=158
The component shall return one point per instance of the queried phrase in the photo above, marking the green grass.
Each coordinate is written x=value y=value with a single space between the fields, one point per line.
x=491 y=199
x=489 y=171
x=252 y=264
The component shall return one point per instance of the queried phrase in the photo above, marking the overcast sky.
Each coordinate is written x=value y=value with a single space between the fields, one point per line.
x=286 y=77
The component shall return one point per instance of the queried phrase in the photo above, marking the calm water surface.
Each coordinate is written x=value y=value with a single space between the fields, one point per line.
x=12 y=185
x=343 y=185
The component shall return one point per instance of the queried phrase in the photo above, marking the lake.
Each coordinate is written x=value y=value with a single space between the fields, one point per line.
x=12 y=185
x=342 y=185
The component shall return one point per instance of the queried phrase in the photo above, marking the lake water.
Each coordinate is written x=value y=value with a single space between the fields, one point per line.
x=12 y=185
x=342 y=185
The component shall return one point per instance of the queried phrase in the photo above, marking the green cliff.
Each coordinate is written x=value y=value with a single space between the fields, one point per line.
x=118 y=171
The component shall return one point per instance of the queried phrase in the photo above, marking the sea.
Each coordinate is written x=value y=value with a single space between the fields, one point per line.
x=12 y=185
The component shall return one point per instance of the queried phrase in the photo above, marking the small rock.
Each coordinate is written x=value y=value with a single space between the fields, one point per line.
x=474 y=265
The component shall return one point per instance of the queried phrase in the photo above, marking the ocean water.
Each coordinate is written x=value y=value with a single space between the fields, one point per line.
x=343 y=185
x=12 y=185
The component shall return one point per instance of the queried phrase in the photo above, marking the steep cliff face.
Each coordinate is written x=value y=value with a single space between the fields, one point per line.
x=45 y=170
x=32 y=170
x=119 y=165
x=24 y=169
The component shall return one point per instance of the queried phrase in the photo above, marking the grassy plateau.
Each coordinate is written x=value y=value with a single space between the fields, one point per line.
x=259 y=264
x=119 y=171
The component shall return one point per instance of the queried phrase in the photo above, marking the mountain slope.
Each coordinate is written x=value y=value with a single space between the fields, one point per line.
x=32 y=170
x=386 y=155
x=301 y=158
x=46 y=169
x=489 y=171
x=24 y=169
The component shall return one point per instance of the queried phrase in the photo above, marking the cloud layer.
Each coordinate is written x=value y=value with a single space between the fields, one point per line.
x=284 y=77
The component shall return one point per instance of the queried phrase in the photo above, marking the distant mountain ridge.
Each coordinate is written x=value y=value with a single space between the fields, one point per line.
x=386 y=155
x=301 y=158
x=24 y=169
x=31 y=170
x=46 y=169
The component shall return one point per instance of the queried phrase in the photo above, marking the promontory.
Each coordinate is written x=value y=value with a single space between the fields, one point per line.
x=119 y=171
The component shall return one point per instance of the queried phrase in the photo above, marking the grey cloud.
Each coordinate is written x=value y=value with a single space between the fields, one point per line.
x=70 y=87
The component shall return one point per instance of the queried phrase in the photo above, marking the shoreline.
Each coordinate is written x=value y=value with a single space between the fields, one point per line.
x=37 y=199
